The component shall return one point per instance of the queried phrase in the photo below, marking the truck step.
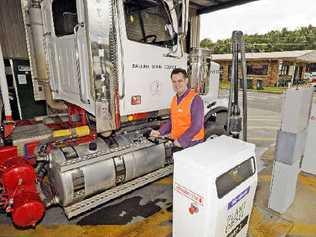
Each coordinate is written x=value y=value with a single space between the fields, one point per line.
x=87 y=204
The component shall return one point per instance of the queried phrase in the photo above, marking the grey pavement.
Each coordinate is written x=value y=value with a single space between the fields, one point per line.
x=263 y=122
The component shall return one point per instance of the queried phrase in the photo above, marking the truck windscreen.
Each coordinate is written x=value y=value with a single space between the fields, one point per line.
x=149 y=22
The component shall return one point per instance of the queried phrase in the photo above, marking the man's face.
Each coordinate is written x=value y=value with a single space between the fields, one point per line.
x=179 y=83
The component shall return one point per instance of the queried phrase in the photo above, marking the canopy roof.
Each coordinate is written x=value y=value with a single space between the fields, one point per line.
x=205 y=6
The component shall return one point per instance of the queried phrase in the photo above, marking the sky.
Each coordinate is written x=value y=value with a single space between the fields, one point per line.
x=258 y=17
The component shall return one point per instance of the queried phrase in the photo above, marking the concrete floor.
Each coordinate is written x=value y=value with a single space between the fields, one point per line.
x=148 y=211
x=134 y=216
x=300 y=218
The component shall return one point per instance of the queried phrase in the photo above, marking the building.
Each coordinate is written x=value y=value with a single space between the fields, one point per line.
x=273 y=68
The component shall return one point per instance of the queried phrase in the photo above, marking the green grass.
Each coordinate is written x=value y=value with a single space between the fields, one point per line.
x=273 y=90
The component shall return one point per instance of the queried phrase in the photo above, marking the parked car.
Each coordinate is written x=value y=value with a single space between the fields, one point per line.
x=311 y=77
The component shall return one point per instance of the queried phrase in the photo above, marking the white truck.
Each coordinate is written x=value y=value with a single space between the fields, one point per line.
x=112 y=60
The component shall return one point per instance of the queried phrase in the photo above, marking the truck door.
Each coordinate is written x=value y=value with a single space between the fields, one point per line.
x=67 y=51
x=148 y=37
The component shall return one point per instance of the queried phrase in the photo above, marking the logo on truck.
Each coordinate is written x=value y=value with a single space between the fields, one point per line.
x=153 y=66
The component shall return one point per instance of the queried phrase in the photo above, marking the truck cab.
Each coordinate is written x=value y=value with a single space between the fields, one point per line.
x=114 y=58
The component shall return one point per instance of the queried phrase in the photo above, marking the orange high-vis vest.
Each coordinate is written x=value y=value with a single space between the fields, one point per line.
x=181 y=117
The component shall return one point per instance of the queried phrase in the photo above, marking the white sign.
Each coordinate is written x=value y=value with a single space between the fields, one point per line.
x=22 y=79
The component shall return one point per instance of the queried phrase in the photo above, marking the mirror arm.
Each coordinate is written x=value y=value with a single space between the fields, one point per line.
x=185 y=16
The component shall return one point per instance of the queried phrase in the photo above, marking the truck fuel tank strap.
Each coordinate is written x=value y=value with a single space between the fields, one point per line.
x=69 y=152
x=78 y=181
x=120 y=169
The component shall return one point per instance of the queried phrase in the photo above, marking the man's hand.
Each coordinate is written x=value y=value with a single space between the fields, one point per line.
x=176 y=143
x=155 y=133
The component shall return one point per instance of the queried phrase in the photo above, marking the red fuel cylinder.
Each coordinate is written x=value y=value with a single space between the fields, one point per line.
x=27 y=209
x=19 y=195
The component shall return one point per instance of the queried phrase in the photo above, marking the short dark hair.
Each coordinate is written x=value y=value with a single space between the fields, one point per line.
x=179 y=70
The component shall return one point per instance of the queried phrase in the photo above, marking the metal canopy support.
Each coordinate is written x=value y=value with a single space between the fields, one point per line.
x=8 y=124
x=4 y=87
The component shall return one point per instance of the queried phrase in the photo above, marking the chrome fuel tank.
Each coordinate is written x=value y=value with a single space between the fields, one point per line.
x=77 y=172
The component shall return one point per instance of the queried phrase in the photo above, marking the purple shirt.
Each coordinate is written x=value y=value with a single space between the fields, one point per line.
x=197 y=122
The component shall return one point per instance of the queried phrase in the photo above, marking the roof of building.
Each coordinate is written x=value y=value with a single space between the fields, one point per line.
x=308 y=56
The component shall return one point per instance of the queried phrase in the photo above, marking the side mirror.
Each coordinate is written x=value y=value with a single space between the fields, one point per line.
x=179 y=11
x=173 y=14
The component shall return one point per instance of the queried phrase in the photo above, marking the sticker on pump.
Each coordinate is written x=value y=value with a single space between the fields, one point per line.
x=240 y=196
x=198 y=199
x=235 y=217
x=236 y=213
x=238 y=228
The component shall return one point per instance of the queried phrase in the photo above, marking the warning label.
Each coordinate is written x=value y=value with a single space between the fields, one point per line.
x=198 y=199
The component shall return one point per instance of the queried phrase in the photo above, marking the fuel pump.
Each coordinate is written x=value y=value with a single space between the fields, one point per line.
x=235 y=121
x=214 y=188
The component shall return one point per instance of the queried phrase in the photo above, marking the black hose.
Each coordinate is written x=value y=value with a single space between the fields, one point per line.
x=42 y=170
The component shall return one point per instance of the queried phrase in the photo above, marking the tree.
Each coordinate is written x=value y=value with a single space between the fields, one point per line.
x=303 y=38
x=207 y=43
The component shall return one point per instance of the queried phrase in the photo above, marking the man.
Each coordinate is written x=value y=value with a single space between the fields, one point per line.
x=186 y=123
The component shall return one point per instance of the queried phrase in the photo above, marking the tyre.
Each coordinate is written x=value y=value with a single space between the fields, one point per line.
x=216 y=124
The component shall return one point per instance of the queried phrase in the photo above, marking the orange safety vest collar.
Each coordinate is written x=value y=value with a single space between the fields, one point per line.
x=181 y=117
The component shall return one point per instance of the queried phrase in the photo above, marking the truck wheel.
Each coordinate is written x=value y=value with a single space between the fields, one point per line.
x=216 y=125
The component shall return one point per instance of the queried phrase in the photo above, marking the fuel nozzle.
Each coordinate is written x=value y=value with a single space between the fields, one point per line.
x=235 y=121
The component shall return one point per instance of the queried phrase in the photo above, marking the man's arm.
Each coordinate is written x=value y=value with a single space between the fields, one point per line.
x=197 y=122
x=165 y=128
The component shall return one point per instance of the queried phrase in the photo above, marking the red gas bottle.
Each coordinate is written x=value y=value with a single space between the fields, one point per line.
x=19 y=195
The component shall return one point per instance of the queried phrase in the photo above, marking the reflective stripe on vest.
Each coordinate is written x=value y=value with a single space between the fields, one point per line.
x=181 y=117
